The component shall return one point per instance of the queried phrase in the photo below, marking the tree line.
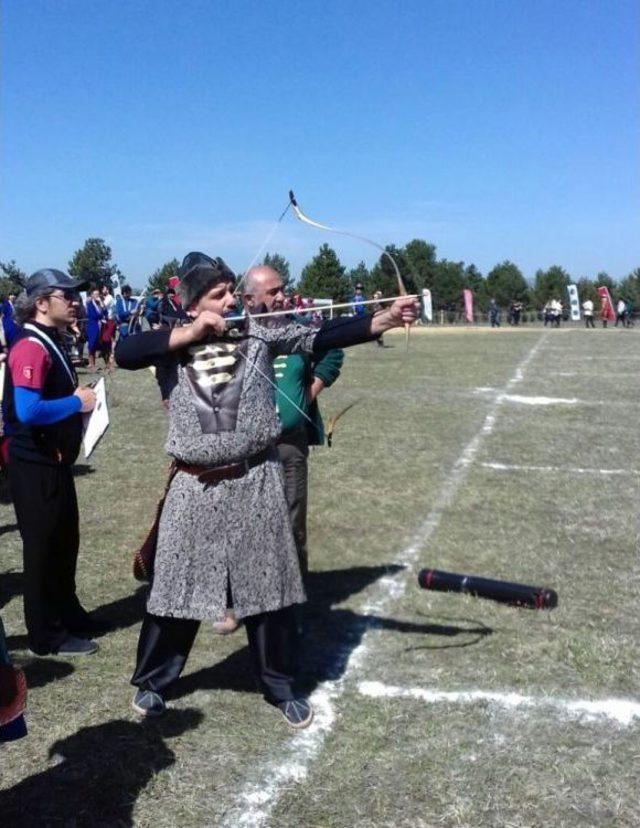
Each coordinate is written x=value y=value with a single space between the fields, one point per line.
x=325 y=277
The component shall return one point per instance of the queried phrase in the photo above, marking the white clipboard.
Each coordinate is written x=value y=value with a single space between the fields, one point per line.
x=97 y=421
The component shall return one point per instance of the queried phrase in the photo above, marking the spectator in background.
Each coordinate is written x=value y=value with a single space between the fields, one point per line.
x=587 y=310
x=621 y=313
x=516 y=311
x=494 y=314
x=152 y=308
x=605 y=310
x=377 y=308
x=359 y=308
x=171 y=311
x=96 y=317
x=126 y=308
x=108 y=301
x=11 y=330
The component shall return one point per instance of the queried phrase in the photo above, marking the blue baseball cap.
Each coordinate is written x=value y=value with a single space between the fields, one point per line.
x=49 y=279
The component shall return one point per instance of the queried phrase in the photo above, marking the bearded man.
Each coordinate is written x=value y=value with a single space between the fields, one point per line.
x=300 y=378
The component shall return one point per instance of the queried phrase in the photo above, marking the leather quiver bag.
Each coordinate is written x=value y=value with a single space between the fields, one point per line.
x=144 y=557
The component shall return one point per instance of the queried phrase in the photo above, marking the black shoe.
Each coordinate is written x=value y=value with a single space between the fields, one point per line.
x=73 y=646
x=297 y=712
x=148 y=703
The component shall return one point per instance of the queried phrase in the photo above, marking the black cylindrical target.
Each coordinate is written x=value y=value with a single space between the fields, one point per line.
x=519 y=595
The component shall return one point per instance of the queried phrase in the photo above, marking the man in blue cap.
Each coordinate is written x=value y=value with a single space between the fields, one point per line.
x=44 y=408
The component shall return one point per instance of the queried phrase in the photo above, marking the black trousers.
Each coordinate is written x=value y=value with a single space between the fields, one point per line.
x=46 y=507
x=293 y=449
x=165 y=643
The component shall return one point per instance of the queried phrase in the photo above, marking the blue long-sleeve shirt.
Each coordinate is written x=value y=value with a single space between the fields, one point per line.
x=32 y=410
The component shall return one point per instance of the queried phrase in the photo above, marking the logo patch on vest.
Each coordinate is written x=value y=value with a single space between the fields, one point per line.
x=27 y=372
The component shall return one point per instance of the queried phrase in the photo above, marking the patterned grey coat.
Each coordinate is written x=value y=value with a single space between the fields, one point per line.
x=236 y=533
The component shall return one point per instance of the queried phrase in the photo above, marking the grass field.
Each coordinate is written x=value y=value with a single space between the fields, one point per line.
x=432 y=709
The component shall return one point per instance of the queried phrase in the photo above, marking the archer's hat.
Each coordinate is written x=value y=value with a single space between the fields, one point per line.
x=198 y=273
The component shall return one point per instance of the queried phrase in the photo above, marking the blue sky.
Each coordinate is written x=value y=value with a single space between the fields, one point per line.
x=494 y=129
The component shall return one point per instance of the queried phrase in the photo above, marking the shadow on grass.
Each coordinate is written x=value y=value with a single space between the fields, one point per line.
x=98 y=773
x=477 y=630
x=42 y=671
x=83 y=470
x=324 y=589
x=10 y=585
x=119 y=614
x=331 y=635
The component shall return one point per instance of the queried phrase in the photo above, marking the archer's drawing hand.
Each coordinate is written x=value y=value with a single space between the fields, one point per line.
x=207 y=323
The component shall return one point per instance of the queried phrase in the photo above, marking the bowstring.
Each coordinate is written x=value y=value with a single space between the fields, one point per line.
x=262 y=247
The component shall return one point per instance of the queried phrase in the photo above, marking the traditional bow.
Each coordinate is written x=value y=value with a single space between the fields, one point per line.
x=402 y=289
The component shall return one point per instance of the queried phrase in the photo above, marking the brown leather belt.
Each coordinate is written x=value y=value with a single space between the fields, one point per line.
x=213 y=475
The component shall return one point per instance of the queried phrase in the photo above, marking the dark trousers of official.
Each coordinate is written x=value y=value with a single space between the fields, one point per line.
x=46 y=507
x=588 y=322
x=293 y=449
x=165 y=644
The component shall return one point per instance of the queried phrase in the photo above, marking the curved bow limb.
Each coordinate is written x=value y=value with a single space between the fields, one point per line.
x=402 y=289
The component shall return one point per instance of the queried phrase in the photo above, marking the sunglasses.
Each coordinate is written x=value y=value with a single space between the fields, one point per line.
x=66 y=295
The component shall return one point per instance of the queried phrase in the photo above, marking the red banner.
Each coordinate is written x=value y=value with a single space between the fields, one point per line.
x=468 y=304
x=606 y=305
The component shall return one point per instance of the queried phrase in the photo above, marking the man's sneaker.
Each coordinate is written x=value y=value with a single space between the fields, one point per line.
x=74 y=646
x=297 y=712
x=148 y=703
x=228 y=625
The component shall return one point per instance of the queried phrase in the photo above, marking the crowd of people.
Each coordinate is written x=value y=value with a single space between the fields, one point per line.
x=242 y=406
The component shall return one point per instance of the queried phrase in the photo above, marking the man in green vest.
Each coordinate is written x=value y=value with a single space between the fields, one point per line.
x=299 y=379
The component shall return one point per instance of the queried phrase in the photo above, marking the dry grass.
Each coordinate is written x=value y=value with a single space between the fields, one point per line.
x=385 y=762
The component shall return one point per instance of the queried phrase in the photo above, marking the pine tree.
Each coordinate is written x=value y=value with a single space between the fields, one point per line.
x=324 y=277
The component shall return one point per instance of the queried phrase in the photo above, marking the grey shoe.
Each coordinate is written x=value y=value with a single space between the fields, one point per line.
x=74 y=646
x=297 y=712
x=148 y=703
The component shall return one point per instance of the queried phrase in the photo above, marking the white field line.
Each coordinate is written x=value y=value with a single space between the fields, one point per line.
x=561 y=469
x=622 y=711
x=612 y=359
x=590 y=374
x=524 y=400
x=256 y=801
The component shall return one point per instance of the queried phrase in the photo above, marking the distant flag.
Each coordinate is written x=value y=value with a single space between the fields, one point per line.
x=117 y=287
x=427 y=306
x=574 y=302
x=606 y=304
x=468 y=304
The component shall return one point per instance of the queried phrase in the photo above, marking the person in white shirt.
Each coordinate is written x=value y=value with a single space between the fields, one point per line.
x=621 y=313
x=108 y=301
x=587 y=309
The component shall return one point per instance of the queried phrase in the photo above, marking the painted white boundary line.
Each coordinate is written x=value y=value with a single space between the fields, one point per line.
x=561 y=469
x=519 y=398
x=622 y=711
x=256 y=801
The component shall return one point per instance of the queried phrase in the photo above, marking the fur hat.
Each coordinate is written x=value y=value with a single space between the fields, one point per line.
x=198 y=273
